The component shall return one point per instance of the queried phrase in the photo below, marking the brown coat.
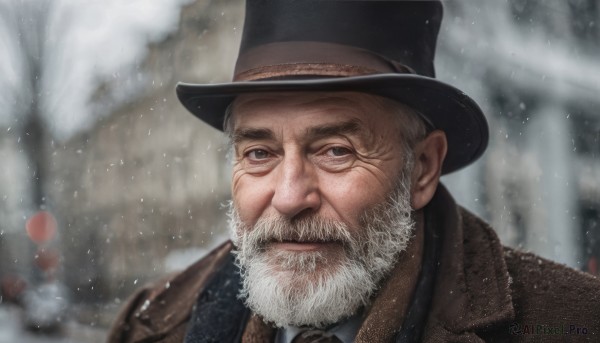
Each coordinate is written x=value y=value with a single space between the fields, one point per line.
x=484 y=293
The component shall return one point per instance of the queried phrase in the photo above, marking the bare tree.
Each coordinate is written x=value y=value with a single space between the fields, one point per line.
x=29 y=21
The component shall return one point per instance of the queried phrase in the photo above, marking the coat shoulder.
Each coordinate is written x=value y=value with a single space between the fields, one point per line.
x=550 y=294
x=543 y=296
x=160 y=309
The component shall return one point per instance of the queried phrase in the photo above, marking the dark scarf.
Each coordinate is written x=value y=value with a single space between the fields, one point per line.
x=219 y=314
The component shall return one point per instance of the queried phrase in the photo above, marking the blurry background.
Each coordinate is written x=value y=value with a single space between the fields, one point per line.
x=106 y=182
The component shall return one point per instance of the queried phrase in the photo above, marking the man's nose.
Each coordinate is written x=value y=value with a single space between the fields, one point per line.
x=296 y=188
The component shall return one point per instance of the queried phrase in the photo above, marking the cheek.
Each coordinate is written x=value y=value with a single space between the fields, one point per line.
x=351 y=195
x=251 y=196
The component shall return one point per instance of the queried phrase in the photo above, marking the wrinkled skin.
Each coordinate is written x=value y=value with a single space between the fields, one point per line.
x=328 y=154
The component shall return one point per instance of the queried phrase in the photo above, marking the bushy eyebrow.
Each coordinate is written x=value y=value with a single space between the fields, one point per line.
x=246 y=134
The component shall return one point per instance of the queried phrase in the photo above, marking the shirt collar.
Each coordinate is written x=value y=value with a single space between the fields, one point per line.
x=345 y=331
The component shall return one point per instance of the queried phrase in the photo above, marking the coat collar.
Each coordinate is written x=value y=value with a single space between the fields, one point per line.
x=472 y=293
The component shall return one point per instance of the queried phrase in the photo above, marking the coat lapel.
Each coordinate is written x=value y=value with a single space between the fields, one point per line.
x=472 y=293
x=389 y=308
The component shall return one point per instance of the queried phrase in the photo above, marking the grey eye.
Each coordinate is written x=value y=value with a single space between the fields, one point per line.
x=258 y=154
x=340 y=151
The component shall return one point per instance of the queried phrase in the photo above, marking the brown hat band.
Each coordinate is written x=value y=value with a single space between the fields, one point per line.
x=312 y=58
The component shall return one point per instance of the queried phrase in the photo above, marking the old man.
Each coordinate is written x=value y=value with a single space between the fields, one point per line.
x=340 y=229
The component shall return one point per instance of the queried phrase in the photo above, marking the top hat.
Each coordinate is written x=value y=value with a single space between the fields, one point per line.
x=384 y=48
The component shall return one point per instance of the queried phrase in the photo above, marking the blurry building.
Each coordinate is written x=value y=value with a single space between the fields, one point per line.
x=533 y=66
x=142 y=193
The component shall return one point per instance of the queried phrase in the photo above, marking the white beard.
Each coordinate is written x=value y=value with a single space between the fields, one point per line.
x=311 y=288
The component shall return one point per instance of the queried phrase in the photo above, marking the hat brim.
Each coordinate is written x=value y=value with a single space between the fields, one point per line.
x=445 y=107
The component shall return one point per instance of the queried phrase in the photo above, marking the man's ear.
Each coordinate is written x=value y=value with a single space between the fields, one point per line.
x=429 y=155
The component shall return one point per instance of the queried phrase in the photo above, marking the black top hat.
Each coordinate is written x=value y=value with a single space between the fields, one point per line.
x=379 y=47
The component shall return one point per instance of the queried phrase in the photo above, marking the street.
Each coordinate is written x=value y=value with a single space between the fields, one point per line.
x=12 y=331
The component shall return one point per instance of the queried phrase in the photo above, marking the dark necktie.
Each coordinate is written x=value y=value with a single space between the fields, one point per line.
x=316 y=336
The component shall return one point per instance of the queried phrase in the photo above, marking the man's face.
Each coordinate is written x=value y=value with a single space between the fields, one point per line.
x=316 y=188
